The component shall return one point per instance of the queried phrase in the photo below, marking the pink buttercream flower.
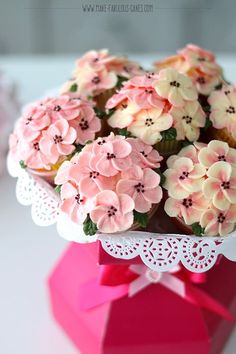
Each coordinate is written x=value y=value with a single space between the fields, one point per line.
x=200 y=58
x=188 y=120
x=90 y=181
x=33 y=120
x=74 y=204
x=145 y=97
x=149 y=123
x=48 y=130
x=223 y=108
x=141 y=97
x=174 y=61
x=62 y=175
x=217 y=222
x=204 y=83
x=138 y=91
x=99 y=60
x=145 y=81
x=189 y=151
x=112 y=213
x=220 y=186
x=198 y=64
x=184 y=177
x=34 y=158
x=112 y=157
x=175 y=87
x=143 y=154
x=97 y=146
x=126 y=68
x=93 y=83
x=123 y=115
x=190 y=208
x=62 y=107
x=97 y=72
x=217 y=151
x=58 y=140
x=87 y=124
x=95 y=59
x=142 y=185
x=119 y=98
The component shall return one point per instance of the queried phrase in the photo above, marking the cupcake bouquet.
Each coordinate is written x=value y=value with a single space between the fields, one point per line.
x=121 y=149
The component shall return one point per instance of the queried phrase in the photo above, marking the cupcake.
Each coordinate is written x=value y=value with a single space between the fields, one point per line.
x=198 y=64
x=162 y=110
x=49 y=131
x=97 y=75
x=223 y=114
x=110 y=186
x=201 y=189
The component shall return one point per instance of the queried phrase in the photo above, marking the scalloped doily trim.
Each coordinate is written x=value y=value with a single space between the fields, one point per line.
x=158 y=252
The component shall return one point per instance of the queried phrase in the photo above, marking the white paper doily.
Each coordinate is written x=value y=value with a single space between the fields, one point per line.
x=158 y=252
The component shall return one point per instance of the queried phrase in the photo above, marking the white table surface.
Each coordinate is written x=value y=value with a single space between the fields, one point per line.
x=28 y=252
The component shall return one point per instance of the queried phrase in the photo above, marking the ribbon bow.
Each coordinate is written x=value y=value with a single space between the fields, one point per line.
x=148 y=276
x=117 y=281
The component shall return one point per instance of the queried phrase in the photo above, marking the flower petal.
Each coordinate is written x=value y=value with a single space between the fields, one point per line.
x=172 y=207
x=220 y=202
x=153 y=195
x=220 y=170
x=210 y=187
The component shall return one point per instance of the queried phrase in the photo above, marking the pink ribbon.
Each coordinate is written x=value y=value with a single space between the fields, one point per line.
x=148 y=277
x=93 y=294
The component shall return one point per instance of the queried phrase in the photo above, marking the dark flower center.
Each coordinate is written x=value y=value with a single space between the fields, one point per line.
x=150 y=75
x=143 y=153
x=111 y=211
x=78 y=199
x=57 y=139
x=201 y=80
x=221 y=218
x=84 y=124
x=93 y=174
x=101 y=142
x=175 y=83
x=149 y=122
x=221 y=158
x=225 y=185
x=184 y=175
x=126 y=68
x=110 y=156
x=187 y=119
x=230 y=110
x=201 y=59
x=96 y=80
x=36 y=146
x=57 y=108
x=150 y=91
x=139 y=187
x=187 y=202
x=28 y=120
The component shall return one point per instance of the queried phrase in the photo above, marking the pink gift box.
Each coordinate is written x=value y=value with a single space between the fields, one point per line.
x=155 y=320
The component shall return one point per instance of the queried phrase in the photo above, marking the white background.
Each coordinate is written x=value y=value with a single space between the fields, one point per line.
x=28 y=252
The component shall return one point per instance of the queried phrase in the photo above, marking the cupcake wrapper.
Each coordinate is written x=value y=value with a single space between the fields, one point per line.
x=102 y=98
x=47 y=176
x=168 y=147
x=223 y=135
x=153 y=210
x=179 y=222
